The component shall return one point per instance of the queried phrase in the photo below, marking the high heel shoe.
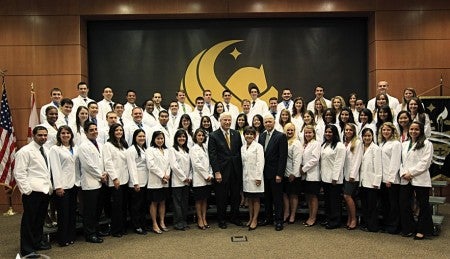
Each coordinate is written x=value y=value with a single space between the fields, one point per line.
x=309 y=225
x=251 y=229
x=416 y=237
x=201 y=227
x=157 y=231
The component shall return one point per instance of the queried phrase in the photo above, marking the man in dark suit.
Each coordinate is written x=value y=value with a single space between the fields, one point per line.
x=275 y=153
x=224 y=148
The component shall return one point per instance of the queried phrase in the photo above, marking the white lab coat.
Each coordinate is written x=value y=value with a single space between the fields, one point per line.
x=90 y=165
x=370 y=171
x=115 y=163
x=253 y=167
x=294 y=159
x=391 y=154
x=180 y=166
x=353 y=161
x=201 y=169
x=137 y=167
x=62 y=163
x=159 y=166
x=417 y=163
x=332 y=163
x=311 y=159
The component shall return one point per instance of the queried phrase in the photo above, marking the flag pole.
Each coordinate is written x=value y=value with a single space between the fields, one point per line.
x=8 y=190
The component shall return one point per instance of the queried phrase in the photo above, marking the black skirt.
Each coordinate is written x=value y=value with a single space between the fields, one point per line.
x=202 y=192
x=158 y=195
x=292 y=188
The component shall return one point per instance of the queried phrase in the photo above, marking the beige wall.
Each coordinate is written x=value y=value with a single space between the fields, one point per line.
x=44 y=41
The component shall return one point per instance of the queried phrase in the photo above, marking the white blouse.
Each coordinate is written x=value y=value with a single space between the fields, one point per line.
x=370 y=171
x=311 y=159
x=253 y=167
x=137 y=167
x=181 y=167
x=62 y=164
x=115 y=163
x=201 y=169
x=294 y=159
x=159 y=166
x=332 y=163
x=417 y=163
x=391 y=152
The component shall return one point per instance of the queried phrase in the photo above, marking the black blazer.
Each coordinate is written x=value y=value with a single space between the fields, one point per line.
x=275 y=154
x=221 y=158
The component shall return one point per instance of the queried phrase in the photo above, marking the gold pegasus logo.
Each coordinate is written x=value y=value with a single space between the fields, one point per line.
x=200 y=75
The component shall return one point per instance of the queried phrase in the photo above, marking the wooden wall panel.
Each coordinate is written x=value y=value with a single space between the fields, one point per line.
x=17 y=59
x=413 y=25
x=60 y=59
x=412 y=54
x=412 y=5
x=300 y=6
x=422 y=80
x=56 y=30
x=41 y=7
x=16 y=30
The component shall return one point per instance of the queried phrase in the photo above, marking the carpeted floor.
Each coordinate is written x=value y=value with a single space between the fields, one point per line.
x=296 y=241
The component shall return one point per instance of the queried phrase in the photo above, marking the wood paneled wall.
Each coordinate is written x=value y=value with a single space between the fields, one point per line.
x=45 y=41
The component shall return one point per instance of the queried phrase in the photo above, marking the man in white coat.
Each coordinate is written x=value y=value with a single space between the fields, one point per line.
x=32 y=174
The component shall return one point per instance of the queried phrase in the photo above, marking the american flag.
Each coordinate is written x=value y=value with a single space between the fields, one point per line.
x=7 y=143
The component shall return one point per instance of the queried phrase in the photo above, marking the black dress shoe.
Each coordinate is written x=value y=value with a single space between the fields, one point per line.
x=408 y=234
x=44 y=246
x=265 y=222
x=324 y=223
x=140 y=231
x=94 y=239
x=103 y=233
x=279 y=226
x=331 y=226
x=237 y=222
x=222 y=225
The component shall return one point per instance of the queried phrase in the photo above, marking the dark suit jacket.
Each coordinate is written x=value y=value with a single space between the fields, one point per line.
x=221 y=158
x=275 y=154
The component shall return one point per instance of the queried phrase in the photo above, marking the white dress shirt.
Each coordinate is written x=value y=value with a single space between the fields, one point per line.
x=252 y=167
x=31 y=171
x=62 y=163
x=115 y=163
x=137 y=167
x=180 y=165
x=370 y=171
x=332 y=163
x=201 y=169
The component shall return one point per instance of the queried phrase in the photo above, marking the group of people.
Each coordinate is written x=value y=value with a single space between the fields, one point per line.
x=126 y=159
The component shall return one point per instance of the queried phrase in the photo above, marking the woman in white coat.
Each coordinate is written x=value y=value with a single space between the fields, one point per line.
x=332 y=158
x=62 y=158
x=417 y=154
x=291 y=179
x=158 y=180
x=201 y=177
x=137 y=185
x=180 y=165
x=353 y=156
x=391 y=149
x=252 y=154
x=310 y=172
x=370 y=181
x=115 y=163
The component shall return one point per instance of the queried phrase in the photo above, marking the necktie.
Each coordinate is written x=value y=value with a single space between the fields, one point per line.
x=133 y=105
x=253 y=104
x=209 y=106
x=286 y=104
x=111 y=105
x=140 y=125
x=95 y=144
x=67 y=120
x=94 y=120
x=267 y=140
x=43 y=155
x=200 y=112
x=184 y=107
x=121 y=121
x=85 y=100
x=274 y=114
x=228 y=107
x=227 y=138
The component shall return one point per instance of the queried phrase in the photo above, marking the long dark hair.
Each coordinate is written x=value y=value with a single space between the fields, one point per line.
x=77 y=119
x=259 y=129
x=156 y=134
x=389 y=118
x=420 y=110
x=215 y=113
x=236 y=127
x=209 y=130
x=179 y=133
x=333 y=115
x=335 y=138
x=409 y=118
x=420 y=141
x=368 y=113
x=302 y=110
x=180 y=124
x=58 y=135
x=350 y=117
x=118 y=143
x=195 y=136
x=135 y=144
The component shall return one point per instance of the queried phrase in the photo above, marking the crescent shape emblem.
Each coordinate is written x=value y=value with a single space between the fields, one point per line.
x=200 y=73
